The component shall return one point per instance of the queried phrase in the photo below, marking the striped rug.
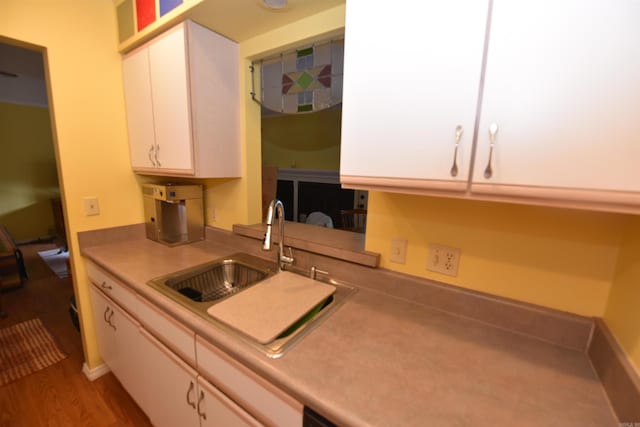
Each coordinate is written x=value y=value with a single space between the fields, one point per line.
x=25 y=348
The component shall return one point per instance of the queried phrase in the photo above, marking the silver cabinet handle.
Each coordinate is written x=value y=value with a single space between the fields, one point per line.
x=203 y=415
x=109 y=320
x=454 y=168
x=151 y=149
x=191 y=386
x=493 y=129
x=156 y=156
x=105 y=286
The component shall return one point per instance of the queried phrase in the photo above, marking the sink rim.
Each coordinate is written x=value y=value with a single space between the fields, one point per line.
x=276 y=348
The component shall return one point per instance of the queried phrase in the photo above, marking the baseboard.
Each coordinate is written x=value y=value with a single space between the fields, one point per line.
x=95 y=373
x=619 y=378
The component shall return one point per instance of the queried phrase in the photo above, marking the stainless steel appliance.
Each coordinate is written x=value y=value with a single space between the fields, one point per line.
x=174 y=214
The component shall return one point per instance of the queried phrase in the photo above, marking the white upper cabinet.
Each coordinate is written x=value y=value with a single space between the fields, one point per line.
x=182 y=98
x=560 y=82
x=137 y=91
x=411 y=77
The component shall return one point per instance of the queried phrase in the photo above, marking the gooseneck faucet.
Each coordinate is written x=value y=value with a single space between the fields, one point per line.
x=276 y=206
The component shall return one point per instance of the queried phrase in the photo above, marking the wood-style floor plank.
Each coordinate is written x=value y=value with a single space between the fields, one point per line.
x=60 y=395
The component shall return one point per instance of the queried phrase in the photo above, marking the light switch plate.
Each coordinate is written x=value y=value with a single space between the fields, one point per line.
x=398 y=252
x=91 y=206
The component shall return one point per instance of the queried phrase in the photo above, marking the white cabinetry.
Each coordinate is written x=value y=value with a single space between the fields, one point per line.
x=407 y=88
x=562 y=85
x=560 y=81
x=265 y=401
x=179 y=397
x=171 y=384
x=216 y=409
x=119 y=342
x=182 y=98
x=155 y=360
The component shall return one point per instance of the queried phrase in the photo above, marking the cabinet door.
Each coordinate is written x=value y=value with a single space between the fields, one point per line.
x=119 y=342
x=170 y=384
x=562 y=85
x=262 y=398
x=170 y=95
x=137 y=95
x=128 y=362
x=104 y=333
x=216 y=409
x=411 y=76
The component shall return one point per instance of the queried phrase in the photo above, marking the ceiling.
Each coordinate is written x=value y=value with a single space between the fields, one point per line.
x=23 y=82
x=23 y=62
x=240 y=20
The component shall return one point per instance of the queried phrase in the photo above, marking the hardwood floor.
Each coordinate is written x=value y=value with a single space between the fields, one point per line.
x=60 y=395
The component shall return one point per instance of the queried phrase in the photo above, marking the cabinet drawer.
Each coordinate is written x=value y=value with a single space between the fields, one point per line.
x=174 y=335
x=113 y=288
x=266 y=402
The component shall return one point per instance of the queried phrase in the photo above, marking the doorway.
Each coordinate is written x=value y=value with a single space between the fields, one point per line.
x=31 y=213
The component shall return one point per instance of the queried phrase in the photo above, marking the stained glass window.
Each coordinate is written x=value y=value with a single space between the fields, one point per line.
x=304 y=80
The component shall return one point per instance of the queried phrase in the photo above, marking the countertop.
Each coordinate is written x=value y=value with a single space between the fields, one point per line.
x=383 y=361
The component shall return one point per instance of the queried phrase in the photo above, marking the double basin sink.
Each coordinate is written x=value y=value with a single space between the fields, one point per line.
x=202 y=286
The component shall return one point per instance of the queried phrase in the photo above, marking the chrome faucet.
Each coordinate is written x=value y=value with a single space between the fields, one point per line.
x=276 y=206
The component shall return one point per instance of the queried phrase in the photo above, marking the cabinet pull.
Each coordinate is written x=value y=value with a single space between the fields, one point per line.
x=454 y=168
x=203 y=415
x=109 y=320
x=191 y=386
x=156 y=156
x=104 y=315
x=153 y=162
x=493 y=129
x=105 y=286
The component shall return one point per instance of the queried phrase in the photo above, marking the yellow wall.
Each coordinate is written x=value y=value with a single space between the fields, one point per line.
x=623 y=309
x=558 y=258
x=87 y=107
x=28 y=177
x=306 y=141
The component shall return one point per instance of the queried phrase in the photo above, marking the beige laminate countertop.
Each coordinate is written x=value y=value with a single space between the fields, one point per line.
x=384 y=361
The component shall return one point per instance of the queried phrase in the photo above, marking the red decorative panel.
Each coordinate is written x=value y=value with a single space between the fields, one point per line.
x=145 y=12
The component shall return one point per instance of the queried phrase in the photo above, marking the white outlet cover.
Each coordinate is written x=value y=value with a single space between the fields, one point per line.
x=91 y=206
x=443 y=259
x=398 y=251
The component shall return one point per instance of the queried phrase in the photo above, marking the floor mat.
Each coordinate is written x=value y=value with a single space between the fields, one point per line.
x=25 y=348
x=57 y=261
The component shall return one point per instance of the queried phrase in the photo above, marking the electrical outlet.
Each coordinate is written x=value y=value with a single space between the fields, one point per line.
x=398 y=251
x=91 y=206
x=443 y=259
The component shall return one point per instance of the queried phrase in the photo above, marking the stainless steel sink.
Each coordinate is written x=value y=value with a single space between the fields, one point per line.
x=216 y=281
x=200 y=287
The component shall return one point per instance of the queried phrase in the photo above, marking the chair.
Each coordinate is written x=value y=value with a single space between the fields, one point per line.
x=354 y=220
x=319 y=218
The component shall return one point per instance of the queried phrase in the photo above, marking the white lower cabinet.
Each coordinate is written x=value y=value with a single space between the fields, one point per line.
x=171 y=386
x=155 y=361
x=119 y=342
x=177 y=396
x=263 y=399
x=216 y=409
